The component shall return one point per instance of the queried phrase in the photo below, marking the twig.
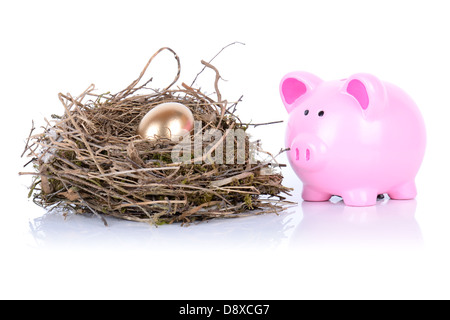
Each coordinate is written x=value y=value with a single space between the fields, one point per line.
x=222 y=103
x=131 y=88
x=236 y=42
x=28 y=140
x=262 y=124
x=226 y=181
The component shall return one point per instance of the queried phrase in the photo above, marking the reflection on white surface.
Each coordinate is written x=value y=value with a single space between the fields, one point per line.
x=263 y=231
x=390 y=223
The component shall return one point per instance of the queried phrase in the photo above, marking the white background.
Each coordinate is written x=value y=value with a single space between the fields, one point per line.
x=396 y=250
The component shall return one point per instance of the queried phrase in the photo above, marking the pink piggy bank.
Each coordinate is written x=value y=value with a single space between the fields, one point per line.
x=355 y=138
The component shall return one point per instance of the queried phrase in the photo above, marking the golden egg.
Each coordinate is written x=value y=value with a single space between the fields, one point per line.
x=169 y=120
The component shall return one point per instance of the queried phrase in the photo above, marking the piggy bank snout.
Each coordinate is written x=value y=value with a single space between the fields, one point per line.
x=308 y=152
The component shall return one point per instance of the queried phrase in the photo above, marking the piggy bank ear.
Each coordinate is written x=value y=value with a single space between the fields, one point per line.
x=369 y=92
x=294 y=85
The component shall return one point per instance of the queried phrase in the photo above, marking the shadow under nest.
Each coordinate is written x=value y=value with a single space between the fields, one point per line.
x=91 y=160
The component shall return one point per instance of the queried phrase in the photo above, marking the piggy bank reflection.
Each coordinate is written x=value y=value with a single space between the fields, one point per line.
x=389 y=223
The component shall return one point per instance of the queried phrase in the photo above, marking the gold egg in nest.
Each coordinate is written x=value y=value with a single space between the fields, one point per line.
x=169 y=120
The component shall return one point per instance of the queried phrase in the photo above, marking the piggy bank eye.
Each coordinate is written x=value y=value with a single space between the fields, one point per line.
x=321 y=113
x=306 y=112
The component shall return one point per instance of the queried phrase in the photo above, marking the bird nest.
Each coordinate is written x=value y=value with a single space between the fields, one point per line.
x=90 y=160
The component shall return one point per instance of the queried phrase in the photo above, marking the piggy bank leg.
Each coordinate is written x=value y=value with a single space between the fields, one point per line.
x=404 y=191
x=312 y=194
x=360 y=197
